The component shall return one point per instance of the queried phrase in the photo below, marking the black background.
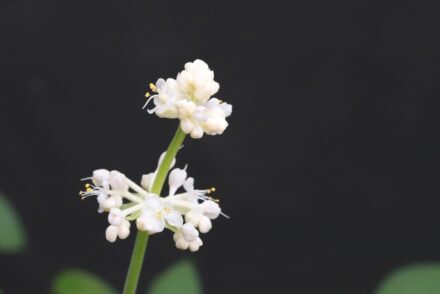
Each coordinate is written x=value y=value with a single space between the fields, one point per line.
x=328 y=167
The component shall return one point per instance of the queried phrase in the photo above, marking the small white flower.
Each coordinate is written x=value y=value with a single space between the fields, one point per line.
x=215 y=113
x=165 y=98
x=156 y=215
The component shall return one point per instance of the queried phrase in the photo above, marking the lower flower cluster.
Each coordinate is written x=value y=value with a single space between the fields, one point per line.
x=187 y=214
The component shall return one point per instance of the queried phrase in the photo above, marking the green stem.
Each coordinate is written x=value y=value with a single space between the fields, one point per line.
x=140 y=244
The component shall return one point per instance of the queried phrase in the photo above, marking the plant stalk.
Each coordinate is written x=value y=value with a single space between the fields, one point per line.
x=140 y=244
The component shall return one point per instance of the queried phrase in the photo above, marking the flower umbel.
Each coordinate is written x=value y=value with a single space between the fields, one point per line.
x=189 y=98
x=185 y=214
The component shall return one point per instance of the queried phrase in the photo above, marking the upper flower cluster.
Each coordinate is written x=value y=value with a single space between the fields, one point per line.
x=187 y=214
x=189 y=98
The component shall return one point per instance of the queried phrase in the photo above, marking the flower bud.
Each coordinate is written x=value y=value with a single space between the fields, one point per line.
x=205 y=224
x=195 y=245
x=123 y=232
x=100 y=176
x=211 y=209
x=111 y=233
x=115 y=216
x=189 y=232
x=118 y=181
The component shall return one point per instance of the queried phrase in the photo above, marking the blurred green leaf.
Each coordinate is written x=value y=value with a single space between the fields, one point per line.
x=180 y=278
x=12 y=234
x=76 y=281
x=414 y=279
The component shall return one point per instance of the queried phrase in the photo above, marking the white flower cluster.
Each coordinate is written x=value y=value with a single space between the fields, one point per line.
x=186 y=214
x=189 y=98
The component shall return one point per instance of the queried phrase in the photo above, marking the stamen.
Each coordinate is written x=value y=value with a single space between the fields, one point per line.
x=153 y=87
x=148 y=101
x=147 y=94
x=225 y=215
x=214 y=199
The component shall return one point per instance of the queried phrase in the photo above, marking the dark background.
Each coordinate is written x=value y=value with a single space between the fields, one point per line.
x=328 y=168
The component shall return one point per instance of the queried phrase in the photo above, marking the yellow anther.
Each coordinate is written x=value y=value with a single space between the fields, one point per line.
x=89 y=190
x=147 y=94
x=153 y=87
x=212 y=189
x=87 y=185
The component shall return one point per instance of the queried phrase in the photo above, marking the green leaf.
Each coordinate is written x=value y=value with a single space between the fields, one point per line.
x=76 y=281
x=181 y=278
x=12 y=234
x=414 y=279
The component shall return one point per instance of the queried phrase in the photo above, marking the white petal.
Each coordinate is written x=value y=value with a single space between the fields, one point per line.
x=154 y=203
x=189 y=185
x=154 y=225
x=100 y=176
x=174 y=219
x=227 y=109
x=101 y=197
x=147 y=181
x=160 y=83
x=176 y=179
